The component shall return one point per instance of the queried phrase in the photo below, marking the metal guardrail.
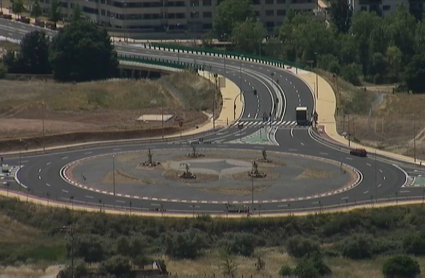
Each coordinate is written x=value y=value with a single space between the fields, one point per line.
x=161 y=62
x=221 y=53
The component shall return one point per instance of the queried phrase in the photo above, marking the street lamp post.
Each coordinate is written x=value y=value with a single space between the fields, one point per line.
x=71 y=230
x=414 y=138
x=42 y=111
x=20 y=154
x=240 y=74
x=113 y=172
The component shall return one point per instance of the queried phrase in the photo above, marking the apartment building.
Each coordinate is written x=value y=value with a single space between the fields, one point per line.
x=384 y=7
x=174 y=16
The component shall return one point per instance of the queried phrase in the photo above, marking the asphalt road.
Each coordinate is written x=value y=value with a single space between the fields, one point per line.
x=381 y=178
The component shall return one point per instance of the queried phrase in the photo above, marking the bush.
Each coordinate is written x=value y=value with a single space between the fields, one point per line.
x=357 y=247
x=239 y=244
x=351 y=74
x=414 y=243
x=286 y=270
x=312 y=266
x=185 y=245
x=401 y=266
x=116 y=265
x=299 y=246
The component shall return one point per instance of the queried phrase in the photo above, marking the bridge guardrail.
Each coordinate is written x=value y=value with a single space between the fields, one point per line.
x=160 y=62
x=222 y=53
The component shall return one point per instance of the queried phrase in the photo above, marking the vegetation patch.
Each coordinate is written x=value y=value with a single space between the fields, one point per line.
x=314 y=173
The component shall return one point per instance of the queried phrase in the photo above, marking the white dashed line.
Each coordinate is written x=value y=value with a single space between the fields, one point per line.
x=63 y=190
x=366 y=192
x=47 y=184
x=48 y=163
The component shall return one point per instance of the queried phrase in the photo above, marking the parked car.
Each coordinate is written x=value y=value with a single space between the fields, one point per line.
x=358 y=152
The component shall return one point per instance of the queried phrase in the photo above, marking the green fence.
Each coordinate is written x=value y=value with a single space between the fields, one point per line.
x=232 y=54
x=160 y=62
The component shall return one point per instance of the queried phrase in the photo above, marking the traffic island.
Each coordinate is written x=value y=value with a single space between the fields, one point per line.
x=230 y=176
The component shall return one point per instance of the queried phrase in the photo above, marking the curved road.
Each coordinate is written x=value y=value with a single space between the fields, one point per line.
x=380 y=177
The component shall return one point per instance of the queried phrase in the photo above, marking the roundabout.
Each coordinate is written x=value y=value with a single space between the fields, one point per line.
x=217 y=177
x=299 y=172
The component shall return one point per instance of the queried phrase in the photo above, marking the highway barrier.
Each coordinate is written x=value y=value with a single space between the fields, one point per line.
x=161 y=62
x=228 y=54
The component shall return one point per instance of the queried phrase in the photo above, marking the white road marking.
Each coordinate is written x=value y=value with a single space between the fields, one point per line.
x=292 y=132
x=380 y=170
x=63 y=190
x=302 y=143
x=366 y=192
x=116 y=149
x=88 y=196
x=249 y=115
x=47 y=184
x=256 y=115
x=384 y=177
x=349 y=158
x=120 y=201
x=404 y=191
x=39 y=170
x=344 y=198
x=48 y=163
x=368 y=164
x=65 y=157
x=324 y=153
x=39 y=177
x=379 y=185
x=87 y=153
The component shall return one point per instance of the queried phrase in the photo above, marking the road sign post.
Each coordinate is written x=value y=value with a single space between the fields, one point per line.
x=240 y=126
x=180 y=125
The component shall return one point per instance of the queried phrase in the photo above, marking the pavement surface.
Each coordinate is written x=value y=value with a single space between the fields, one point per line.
x=280 y=91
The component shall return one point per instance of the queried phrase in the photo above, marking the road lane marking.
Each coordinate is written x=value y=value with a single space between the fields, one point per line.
x=116 y=149
x=87 y=153
x=323 y=153
x=63 y=190
x=302 y=143
x=292 y=132
x=344 y=198
x=349 y=158
x=47 y=184
x=366 y=192
x=120 y=201
x=379 y=185
x=292 y=150
x=90 y=197
x=368 y=164
x=404 y=191
x=48 y=163
x=39 y=170
x=65 y=157
x=39 y=177
x=249 y=115
x=384 y=177
x=380 y=170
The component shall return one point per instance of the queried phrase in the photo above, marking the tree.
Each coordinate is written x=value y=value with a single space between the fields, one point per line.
x=312 y=266
x=248 y=35
x=116 y=265
x=55 y=11
x=341 y=13
x=185 y=245
x=239 y=244
x=76 y=14
x=90 y=248
x=3 y=70
x=415 y=73
x=136 y=248
x=18 y=7
x=298 y=246
x=34 y=54
x=229 y=13
x=414 y=243
x=401 y=266
x=357 y=247
x=123 y=246
x=351 y=74
x=83 y=52
x=36 y=10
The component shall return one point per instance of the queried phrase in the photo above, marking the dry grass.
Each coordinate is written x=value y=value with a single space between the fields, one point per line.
x=12 y=231
x=9 y=46
x=274 y=259
x=111 y=105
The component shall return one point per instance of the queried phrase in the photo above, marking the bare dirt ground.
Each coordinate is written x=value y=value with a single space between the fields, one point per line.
x=104 y=106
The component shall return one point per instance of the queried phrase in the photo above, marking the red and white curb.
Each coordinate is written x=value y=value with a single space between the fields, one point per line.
x=66 y=174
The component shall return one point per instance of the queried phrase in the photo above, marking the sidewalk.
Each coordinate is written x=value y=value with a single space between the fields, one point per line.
x=325 y=107
x=229 y=93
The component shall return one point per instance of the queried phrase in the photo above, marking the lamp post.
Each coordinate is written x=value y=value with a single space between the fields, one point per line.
x=20 y=154
x=42 y=111
x=376 y=180
x=414 y=138
x=240 y=74
x=113 y=172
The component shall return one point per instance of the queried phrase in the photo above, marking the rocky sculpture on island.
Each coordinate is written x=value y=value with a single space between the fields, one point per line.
x=264 y=158
x=195 y=154
x=187 y=174
x=254 y=171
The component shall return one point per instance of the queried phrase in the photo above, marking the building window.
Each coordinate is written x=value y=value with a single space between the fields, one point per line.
x=269 y=24
x=171 y=16
x=194 y=14
x=207 y=3
x=281 y=12
x=281 y=1
x=207 y=15
x=207 y=26
x=386 y=7
x=102 y=12
x=180 y=15
x=269 y=12
x=269 y=2
x=194 y=3
x=363 y=8
x=256 y=13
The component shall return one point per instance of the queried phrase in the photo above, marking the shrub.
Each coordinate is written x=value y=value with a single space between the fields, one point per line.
x=351 y=74
x=357 y=247
x=239 y=243
x=286 y=270
x=401 y=266
x=185 y=245
x=298 y=246
x=312 y=266
x=414 y=243
x=116 y=265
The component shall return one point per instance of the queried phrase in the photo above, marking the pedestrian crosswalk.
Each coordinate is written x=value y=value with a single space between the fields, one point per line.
x=247 y=123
